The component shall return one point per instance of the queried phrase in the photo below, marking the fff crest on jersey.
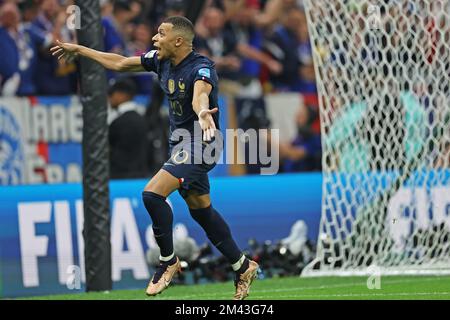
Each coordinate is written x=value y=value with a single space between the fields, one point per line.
x=181 y=85
x=171 y=86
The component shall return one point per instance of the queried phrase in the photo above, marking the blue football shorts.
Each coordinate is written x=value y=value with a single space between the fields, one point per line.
x=190 y=163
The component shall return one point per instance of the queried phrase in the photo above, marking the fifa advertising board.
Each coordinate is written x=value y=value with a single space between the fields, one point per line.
x=41 y=242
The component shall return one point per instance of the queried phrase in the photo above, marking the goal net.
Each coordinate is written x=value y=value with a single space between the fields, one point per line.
x=383 y=75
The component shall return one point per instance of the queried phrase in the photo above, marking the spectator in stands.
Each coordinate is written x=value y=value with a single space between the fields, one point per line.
x=235 y=43
x=53 y=76
x=29 y=10
x=115 y=27
x=220 y=44
x=117 y=30
x=175 y=8
x=127 y=133
x=307 y=75
x=156 y=11
x=305 y=152
x=141 y=42
x=283 y=45
x=268 y=13
x=250 y=43
x=272 y=13
x=106 y=8
x=19 y=45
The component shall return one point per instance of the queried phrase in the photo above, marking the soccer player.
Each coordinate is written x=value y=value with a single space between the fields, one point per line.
x=190 y=82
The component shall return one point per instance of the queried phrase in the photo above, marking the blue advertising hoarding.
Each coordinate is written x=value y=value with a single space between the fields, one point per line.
x=41 y=226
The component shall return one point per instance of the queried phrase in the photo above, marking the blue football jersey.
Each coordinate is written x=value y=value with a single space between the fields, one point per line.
x=178 y=84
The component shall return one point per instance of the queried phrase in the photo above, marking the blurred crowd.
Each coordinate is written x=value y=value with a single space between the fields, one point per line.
x=259 y=47
x=265 y=40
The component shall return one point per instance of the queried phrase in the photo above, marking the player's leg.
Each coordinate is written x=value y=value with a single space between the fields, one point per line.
x=219 y=233
x=215 y=227
x=177 y=172
x=154 y=197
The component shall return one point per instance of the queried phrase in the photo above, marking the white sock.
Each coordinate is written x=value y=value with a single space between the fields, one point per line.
x=237 y=265
x=165 y=259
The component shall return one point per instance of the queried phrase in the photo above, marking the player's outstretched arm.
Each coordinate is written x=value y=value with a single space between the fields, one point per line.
x=110 y=61
x=200 y=104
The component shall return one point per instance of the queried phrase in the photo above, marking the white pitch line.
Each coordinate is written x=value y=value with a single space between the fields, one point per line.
x=333 y=286
x=359 y=295
x=349 y=285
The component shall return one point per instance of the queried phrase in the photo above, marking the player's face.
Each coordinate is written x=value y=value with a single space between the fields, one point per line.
x=164 y=41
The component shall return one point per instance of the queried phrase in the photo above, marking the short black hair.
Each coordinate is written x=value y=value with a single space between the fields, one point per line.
x=125 y=85
x=182 y=24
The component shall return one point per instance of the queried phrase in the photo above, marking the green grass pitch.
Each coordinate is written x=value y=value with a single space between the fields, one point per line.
x=293 y=288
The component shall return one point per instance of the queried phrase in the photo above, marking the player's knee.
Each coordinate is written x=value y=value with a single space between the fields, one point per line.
x=198 y=202
x=159 y=211
x=152 y=200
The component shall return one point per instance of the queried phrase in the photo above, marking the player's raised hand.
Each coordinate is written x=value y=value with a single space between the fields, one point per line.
x=64 y=50
x=207 y=123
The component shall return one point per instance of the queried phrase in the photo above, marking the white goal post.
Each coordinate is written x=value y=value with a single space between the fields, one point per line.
x=383 y=75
